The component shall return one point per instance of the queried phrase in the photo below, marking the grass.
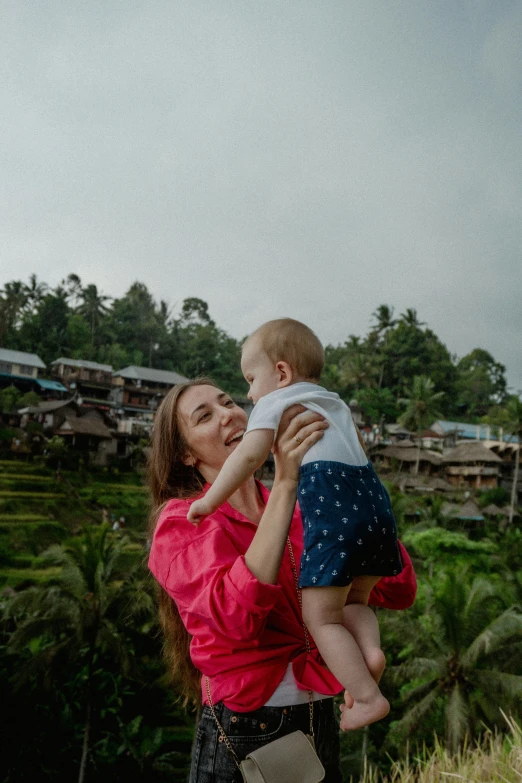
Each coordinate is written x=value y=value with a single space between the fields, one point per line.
x=25 y=477
x=30 y=495
x=497 y=760
x=23 y=467
x=21 y=518
x=121 y=487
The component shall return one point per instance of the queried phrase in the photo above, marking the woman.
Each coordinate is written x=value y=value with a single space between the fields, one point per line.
x=228 y=586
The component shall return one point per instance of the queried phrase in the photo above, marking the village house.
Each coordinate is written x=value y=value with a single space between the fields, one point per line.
x=21 y=370
x=472 y=465
x=20 y=364
x=137 y=392
x=402 y=456
x=88 y=433
x=453 y=432
x=91 y=382
x=49 y=413
x=395 y=433
x=82 y=430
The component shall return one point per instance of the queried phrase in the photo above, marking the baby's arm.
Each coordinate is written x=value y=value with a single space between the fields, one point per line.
x=242 y=463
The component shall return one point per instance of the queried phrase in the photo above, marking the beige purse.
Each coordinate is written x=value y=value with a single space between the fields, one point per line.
x=289 y=759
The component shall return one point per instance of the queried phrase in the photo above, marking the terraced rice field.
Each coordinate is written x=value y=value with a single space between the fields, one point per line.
x=38 y=509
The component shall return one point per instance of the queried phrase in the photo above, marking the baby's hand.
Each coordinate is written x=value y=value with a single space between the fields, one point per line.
x=199 y=510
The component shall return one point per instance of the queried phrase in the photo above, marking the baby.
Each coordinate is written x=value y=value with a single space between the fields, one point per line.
x=350 y=536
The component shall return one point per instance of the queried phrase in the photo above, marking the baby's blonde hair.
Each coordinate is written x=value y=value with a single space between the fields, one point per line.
x=284 y=339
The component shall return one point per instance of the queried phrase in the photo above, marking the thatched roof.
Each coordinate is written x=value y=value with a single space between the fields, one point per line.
x=84 y=425
x=470 y=452
x=469 y=510
x=492 y=510
x=450 y=510
x=407 y=454
x=424 y=482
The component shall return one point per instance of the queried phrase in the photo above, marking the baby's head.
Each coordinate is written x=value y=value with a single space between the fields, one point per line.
x=278 y=354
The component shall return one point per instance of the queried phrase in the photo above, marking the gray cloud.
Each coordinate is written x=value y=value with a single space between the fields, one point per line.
x=307 y=159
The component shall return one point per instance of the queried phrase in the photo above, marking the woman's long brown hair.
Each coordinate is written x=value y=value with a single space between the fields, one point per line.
x=169 y=478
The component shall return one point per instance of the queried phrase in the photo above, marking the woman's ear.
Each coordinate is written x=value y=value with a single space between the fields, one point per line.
x=188 y=460
x=286 y=374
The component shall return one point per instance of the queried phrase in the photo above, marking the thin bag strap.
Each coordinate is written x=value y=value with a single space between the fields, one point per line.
x=305 y=629
x=307 y=644
x=220 y=727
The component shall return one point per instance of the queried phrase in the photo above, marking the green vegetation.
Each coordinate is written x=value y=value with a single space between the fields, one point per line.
x=422 y=405
x=81 y=647
x=79 y=321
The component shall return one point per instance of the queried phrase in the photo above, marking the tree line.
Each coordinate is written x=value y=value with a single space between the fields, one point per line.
x=78 y=321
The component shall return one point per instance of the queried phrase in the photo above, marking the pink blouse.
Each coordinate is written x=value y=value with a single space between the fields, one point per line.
x=244 y=632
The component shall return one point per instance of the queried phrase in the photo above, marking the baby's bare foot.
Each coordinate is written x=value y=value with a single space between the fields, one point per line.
x=364 y=713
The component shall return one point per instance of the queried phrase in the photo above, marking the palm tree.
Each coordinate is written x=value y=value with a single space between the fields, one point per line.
x=461 y=658
x=384 y=319
x=514 y=425
x=76 y=616
x=93 y=307
x=13 y=299
x=422 y=407
x=74 y=288
x=34 y=292
x=384 y=323
x=359 y=368
x=411 y=319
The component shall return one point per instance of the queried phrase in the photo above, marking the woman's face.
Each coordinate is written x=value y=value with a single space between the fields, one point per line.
x=212 y=426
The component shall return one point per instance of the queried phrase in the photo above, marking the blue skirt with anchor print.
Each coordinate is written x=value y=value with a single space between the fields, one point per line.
x=349 y=527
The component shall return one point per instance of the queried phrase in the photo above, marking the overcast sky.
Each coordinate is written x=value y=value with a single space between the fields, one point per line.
x=302 y=158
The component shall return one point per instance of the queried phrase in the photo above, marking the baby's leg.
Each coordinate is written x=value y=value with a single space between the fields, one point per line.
x=323 y=615
x=362 y=623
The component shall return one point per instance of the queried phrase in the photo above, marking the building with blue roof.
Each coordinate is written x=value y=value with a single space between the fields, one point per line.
x=20 y=369
x=458 y=430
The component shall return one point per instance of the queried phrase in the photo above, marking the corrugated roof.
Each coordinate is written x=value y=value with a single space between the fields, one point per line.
x=51 y=385
x=135 y=373
x=396 y=429
x=20 y=357
x=48 y=407
x=82 y=363
x=469 y=431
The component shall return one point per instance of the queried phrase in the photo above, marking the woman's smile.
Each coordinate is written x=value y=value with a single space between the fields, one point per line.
x=235 y=437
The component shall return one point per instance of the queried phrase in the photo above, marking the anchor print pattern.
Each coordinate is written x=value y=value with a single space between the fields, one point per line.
x=368 y=538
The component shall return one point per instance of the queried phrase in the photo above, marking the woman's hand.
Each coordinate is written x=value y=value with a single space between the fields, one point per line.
x=298 y=431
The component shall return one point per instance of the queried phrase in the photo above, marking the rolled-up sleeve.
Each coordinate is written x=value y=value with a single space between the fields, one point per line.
x=211 y=584
x=253 y=595
x=396 y=592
